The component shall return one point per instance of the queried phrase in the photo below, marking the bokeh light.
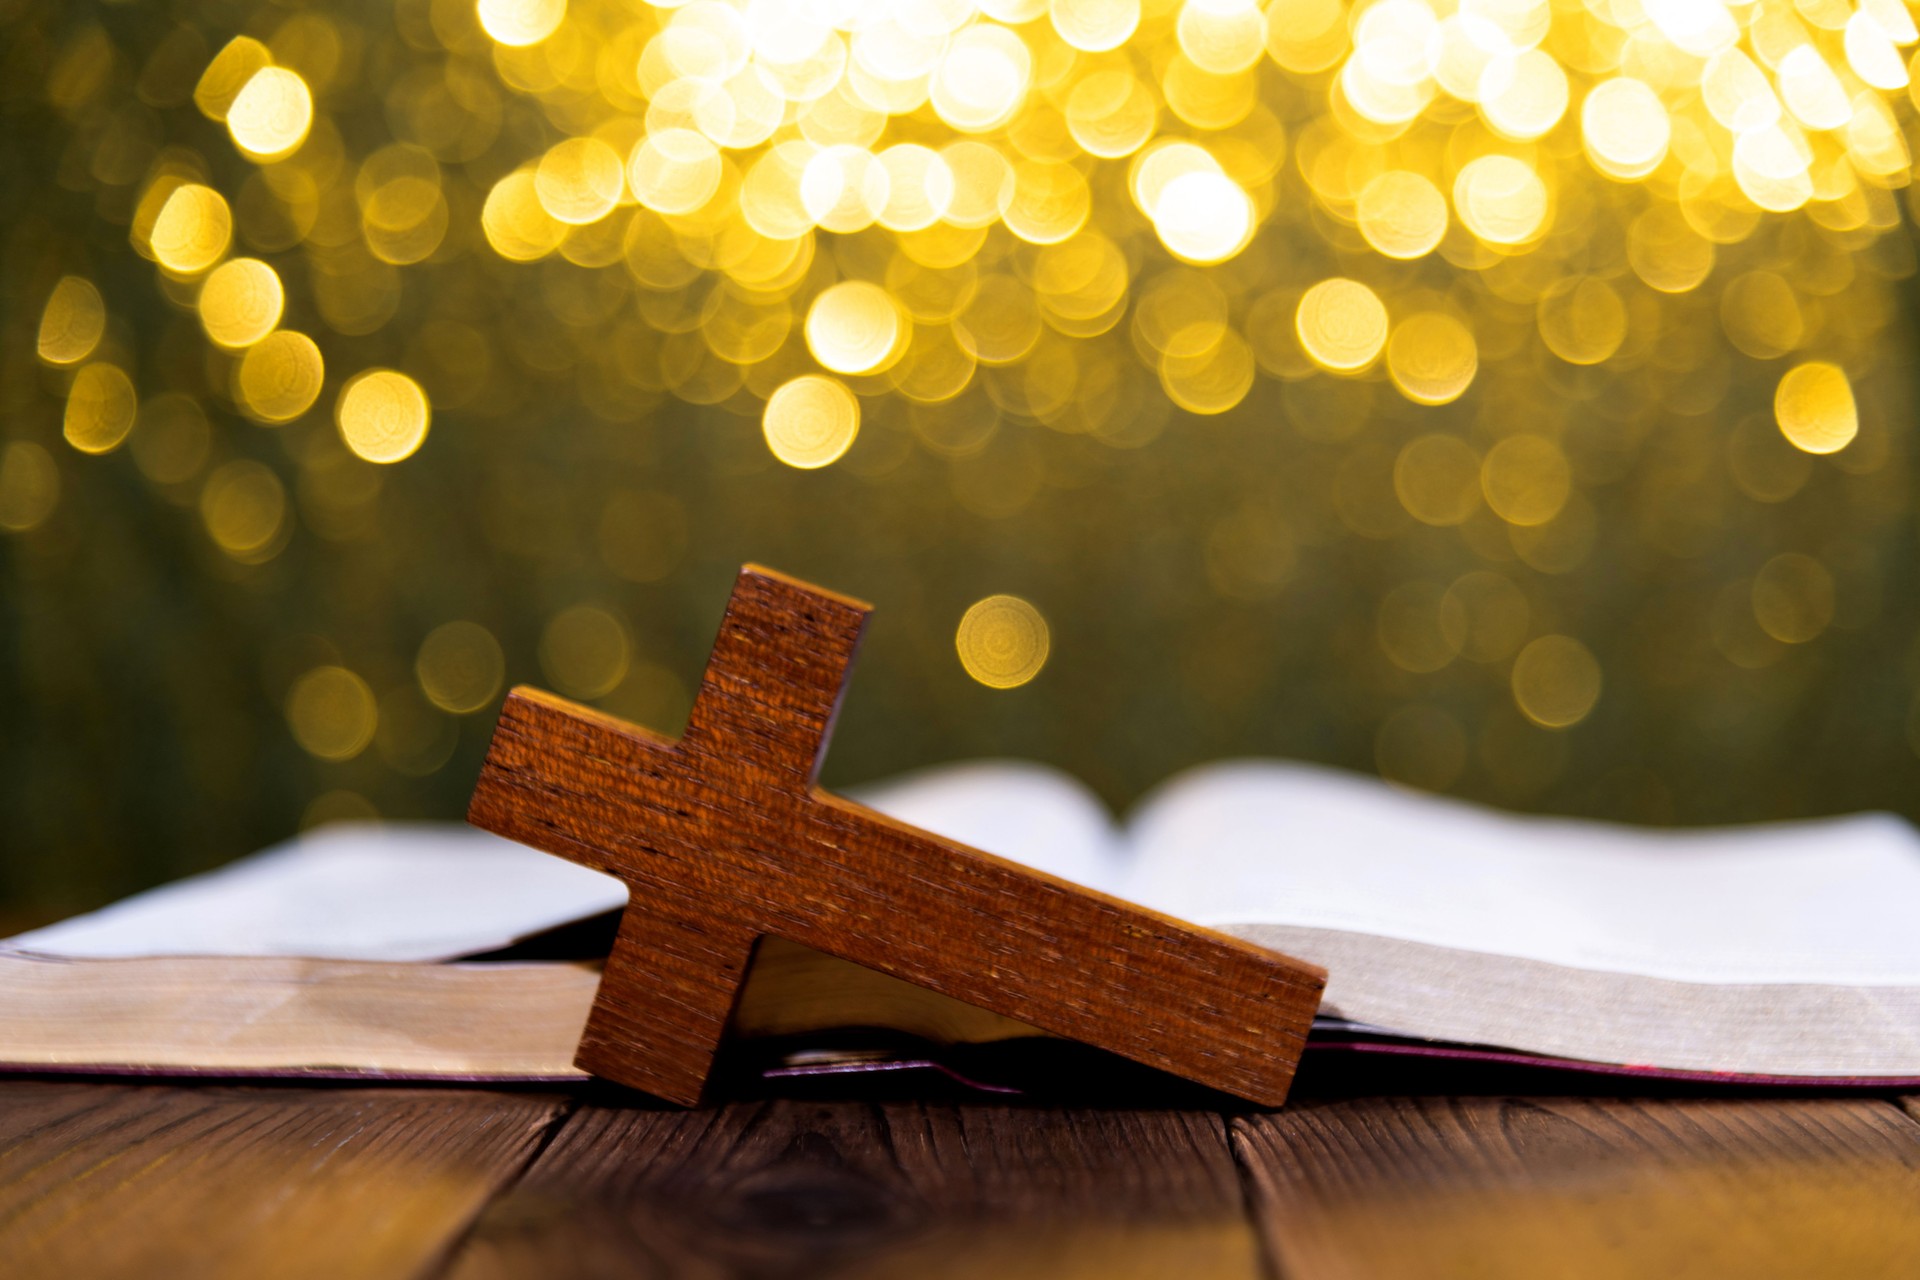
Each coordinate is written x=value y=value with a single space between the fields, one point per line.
x=382 y=415
x=1349 y=379
x=811 y=421
x=271 y=114
x=1002 y=641
x=280 y=376
x=461 y=666
x=241 y=302
x=72 y=323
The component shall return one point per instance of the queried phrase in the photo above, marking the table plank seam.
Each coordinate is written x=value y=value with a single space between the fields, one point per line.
x=441 y=1263
x=1245 y=1178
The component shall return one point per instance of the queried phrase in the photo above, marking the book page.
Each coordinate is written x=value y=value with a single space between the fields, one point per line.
x=1025 y=812
x=1833 y=900
x=351 y=891
x=433 y=891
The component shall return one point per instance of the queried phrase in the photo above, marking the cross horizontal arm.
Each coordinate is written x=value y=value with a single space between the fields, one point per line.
x=722 y=839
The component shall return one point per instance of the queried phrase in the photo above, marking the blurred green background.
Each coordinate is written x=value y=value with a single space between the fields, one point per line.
x=1302 y=575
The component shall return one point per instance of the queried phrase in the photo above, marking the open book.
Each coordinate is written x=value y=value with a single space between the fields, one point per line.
x=1782 y=952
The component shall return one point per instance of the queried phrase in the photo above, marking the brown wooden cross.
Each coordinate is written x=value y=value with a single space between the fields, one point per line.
x=723 y=839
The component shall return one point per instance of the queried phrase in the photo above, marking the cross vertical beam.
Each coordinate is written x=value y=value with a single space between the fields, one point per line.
x=723 y=838
x=775 y=678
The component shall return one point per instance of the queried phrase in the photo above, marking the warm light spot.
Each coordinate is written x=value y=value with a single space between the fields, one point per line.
x=29 y=486
x=845 y=188
x=193 y=229
x=1813 y=94
x=460 y=667
x=579 y=180
x=1526 y=479
x=1500 y=199
x=521 y=22
x=1402 y=214
x=1761 y=315
x=73 y=321
x=1222 y=37
x=584 y=651
x=1094 y=26
x=1793 y=598
x=982 y=81
x=1437 y=479
x=1625 y=127
x=1666 y=253
x=982 y=183
x=244 y=508
x=1525 y=96
x=270 y=117
x=1582 y=320
x=1002 y=641
x=1698 y=27
x=1342 y=325
x=382 y=415
x=811 y=421
x=1158 y=164
x=1306 y=36
x=1815 y=409
x=854 y=327
x=1556 y=681
x=1737 y=93
x=1111 y=114
x=332 y=713
x=1051 y=202
x=100 y=408
x=237 y=63
x=1432 y=358
x=1872 y=54
x=516 y=225
x=1203 y=217
x=240 y=302
x=919 y=187
x=672 y=171
x=1772 y=167
x=280 y=376
x=1212 y=379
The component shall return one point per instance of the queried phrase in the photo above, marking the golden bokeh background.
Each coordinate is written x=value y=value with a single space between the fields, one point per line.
x=1508 y=396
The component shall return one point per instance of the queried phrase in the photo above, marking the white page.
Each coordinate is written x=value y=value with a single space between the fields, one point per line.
x=434 y=891
x=352 y=891
x=1834 y=901
x=1025 y=812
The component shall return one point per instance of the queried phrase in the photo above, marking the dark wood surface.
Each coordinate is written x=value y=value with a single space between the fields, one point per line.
x=801 y=1189
x=157 y=1180
x=1499 y=1187
x=724 y=838
x=160 y=1180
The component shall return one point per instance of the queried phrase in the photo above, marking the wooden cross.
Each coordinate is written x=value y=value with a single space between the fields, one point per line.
x=723 y=838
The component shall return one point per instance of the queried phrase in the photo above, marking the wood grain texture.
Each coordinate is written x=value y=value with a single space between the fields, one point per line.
x=103 y=1181
x=723 y=837
x=1576 y=1188
x=813 y=1191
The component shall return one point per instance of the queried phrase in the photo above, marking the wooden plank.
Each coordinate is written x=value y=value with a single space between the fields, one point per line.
x=805 y=1189
x=723 y=838
x=1496 y=1187
x=109 y=1180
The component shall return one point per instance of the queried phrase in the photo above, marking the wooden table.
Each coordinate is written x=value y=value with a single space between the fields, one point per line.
x=155 y=1180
